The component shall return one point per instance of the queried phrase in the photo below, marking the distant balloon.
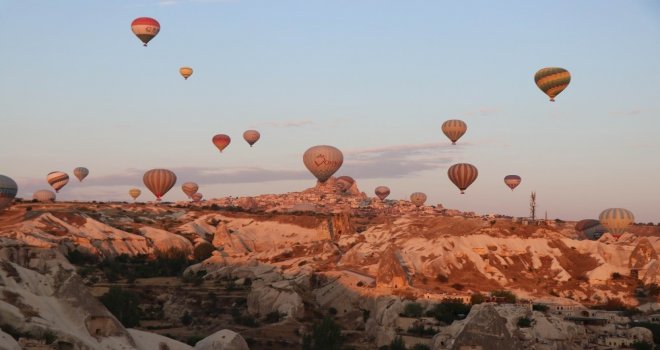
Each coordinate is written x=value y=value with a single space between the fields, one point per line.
x=616 y=220
x=552 y=81
x=590 y=228
x=418 y=198
x=159 y=181
x=44 y=196
x=251 y=136
x=80 y=173
x=221 y=141
x=323 y=161
x=382 y=192
x=454 y=129
x=57 y=180
x=134 y=193
x=345 y=183
x=512 y=181
x=462 y=175
x=189 y=188
x=145 y=28
x=185 y=72
x=8 y=190
x=196 y=197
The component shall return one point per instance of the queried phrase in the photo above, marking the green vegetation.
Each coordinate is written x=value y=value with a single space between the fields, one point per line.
x=420 y=347
x=449 y=310
x=540 y=307
x=325 y=335
x=123 y=305
x=413 y=310
x=642 y=345
x=397 y=344
x=419 y=330
x=524 y=322
x=273 y=317
x=507 y=296
x=477 y=298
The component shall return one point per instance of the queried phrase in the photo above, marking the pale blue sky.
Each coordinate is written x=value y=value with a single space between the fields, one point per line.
x=373 y=78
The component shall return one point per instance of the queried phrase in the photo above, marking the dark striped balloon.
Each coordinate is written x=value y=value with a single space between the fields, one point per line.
x=616 y=220
x=57 y=180
x=454 y=129
x=8 y=190
x=552 y=81
x=80 y=173
x=512 y=181
x=159 y=181
x=462 y=175
x=189 y=188
x=382 y=192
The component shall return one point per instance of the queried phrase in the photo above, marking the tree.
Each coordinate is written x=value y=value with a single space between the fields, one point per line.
x=124 y=305
x=508 y=296
x=397 y=344
x=642 y=345
x=524 y=322
x=326 y=335
x=449 y=310
x=413 y=310
x=477 y=298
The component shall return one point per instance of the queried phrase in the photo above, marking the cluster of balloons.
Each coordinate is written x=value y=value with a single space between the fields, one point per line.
x=221 y=141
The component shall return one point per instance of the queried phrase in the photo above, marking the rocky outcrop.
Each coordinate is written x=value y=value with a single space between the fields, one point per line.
x=281 y=296
x=391 y=273
x=222 y=340
x=7 y=342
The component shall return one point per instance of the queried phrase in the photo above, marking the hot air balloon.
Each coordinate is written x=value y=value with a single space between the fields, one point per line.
x=590 y=228
x=185 y=72
x=197 y=197
x=57 y=180
x=462 y=175
x=44 y=196
x=454 y=129
x=189 y=188
x=323 y=161
x=251 y=136
x=418 y=198
x=382 y=192
x=80 y=173
x=159 y=181
x=221 y=141
x=134 y=193
x=8 y=190
x=616 y=220
x=145 y=28
x=552 y=81
x=345 y=183
x=512 y=181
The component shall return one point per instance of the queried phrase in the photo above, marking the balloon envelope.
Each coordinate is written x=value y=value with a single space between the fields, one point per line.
x=616 y=220
x=418 y=198
x=512 y=181
x=185 y=72
x=44 y=196
x=134 y=193
x=159 y=181
x=323 y=161
x=552 y=81
x=221 y=141
x=454 y=129
x=251 y=136
x=590 y=228
x=382 y=192
x=145 y=28
x=196 y=197
x=57 y=180
x=189 y=188
x=8 y=190
x=462 y=175
x=345 y=183
x=80 y=173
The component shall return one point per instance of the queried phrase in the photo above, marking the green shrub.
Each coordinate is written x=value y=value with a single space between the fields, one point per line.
x=642 y=345
x=477 y=298
x=397 y=344
x=508 y=296
x=123 y=305
x=524 y=322
x=450 y=310
x=420 y=347
x=273 y=317
x=325 y=335
x=413 y=310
